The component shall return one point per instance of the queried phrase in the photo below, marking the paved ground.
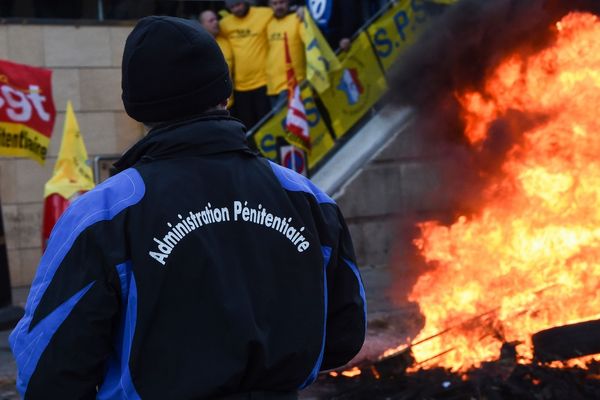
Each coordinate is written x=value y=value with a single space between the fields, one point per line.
x=388 y=325
x=7 y=363
x=7 y=370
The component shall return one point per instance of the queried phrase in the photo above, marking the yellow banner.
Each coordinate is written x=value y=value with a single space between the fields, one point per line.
x=71 y=172
x=18 y=140
x=397 y=29
x=355 y=88
x=320 y=59
x=321 y=140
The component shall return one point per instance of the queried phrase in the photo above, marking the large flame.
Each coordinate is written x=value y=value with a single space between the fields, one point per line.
x=530 y=259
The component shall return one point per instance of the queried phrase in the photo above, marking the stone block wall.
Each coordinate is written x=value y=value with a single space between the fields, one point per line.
x=86 y=62
x=401 y=181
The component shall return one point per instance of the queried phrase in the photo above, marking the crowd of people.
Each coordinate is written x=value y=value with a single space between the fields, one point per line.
x=250 y=33
x=253 y=39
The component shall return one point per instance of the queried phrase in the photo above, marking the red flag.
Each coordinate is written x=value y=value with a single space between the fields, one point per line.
x=27 y=111
x=295 y=121
x=54 y=206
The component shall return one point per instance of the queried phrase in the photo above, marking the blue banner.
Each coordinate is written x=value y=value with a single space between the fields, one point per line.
x=321 y=11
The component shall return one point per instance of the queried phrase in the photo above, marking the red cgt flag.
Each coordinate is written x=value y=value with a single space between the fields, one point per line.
x=295 y=121
x=27 y=111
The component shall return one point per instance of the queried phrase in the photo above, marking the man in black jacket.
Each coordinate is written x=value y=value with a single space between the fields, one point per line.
x=200 y=270
x=339 y=20
x=346 y=19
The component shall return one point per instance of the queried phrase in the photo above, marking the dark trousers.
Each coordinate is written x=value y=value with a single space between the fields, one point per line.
x=278 y=99
x=250 y=106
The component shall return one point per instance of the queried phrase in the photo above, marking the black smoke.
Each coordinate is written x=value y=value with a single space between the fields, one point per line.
x=467 y=42
x=458 y=52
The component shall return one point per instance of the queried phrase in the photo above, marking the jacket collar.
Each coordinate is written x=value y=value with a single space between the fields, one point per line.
x=210 y=133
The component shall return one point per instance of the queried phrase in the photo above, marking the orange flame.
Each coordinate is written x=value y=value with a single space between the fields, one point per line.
x=349 y=373
x=530 y=259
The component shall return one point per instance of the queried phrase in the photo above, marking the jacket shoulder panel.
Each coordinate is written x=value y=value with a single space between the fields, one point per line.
x=294 y=182
x=100 y=204
x=34 y=332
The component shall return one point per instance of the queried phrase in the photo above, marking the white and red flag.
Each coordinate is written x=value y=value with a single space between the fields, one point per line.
x=295 y=122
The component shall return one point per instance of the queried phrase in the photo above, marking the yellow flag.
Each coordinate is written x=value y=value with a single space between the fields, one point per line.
x=71 y=172
x=356 y=88
x=320 y=59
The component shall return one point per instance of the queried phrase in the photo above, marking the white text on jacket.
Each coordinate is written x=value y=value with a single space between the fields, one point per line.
x=240 y=213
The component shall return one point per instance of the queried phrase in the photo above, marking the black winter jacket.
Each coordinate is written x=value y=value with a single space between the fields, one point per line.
x=200 y=270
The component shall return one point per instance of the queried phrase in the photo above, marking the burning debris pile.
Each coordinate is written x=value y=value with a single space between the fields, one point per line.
x=528 y=256
x=512 y=89
x=496 y=381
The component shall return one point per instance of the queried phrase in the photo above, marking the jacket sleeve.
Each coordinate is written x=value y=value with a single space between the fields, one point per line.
x=347 y=307
x=64 y=339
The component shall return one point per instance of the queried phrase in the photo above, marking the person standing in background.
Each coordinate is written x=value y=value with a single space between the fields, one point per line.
x=246 y=31
x=339 y=20
x=346 y=19
x=209 y=21
x=284 y=23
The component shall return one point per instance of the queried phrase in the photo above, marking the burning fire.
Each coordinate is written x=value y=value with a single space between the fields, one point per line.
x=351 y=373
x=530 y=259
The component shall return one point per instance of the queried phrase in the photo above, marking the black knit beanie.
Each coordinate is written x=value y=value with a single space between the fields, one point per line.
x=172 y=68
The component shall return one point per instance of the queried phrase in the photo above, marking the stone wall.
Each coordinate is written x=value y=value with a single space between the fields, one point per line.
x=398 y=183
x=402 y=184
x=85 y=61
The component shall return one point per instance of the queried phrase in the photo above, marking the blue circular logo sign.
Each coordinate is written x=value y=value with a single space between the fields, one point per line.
x=320 y=11
x=317 y=8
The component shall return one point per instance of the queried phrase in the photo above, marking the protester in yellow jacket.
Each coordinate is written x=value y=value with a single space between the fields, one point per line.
x=246 y=31
x=284 y=24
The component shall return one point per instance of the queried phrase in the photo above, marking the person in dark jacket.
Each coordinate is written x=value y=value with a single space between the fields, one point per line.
x=339 y=20
x=346 y=19
x=200 y=270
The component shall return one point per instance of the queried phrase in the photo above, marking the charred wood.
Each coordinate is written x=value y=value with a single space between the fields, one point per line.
x=566 y=342
x=521 y=382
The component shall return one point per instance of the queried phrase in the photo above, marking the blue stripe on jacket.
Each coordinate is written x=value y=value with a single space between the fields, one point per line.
x=295 y=182
x=100 y=204
x=117 y=382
